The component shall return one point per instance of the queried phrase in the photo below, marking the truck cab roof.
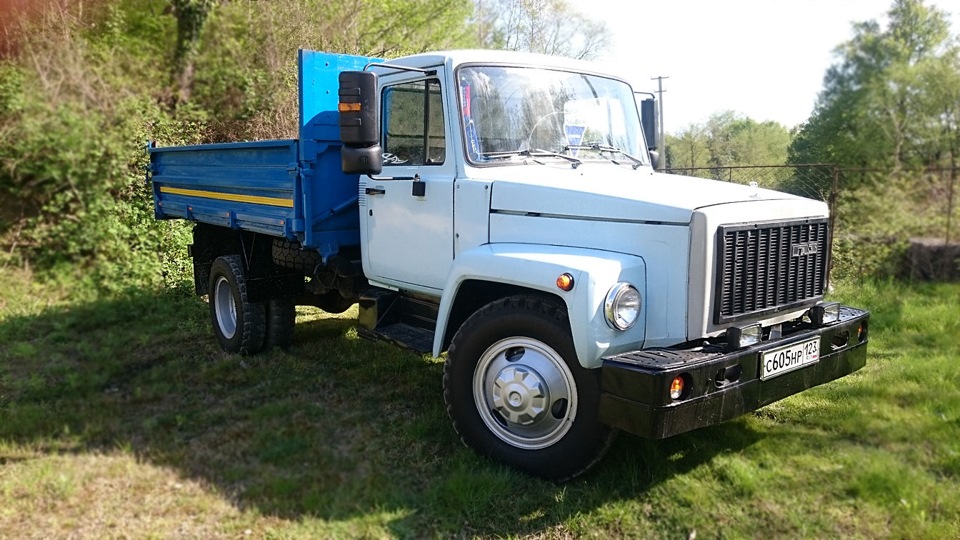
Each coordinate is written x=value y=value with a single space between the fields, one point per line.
x=455 y=58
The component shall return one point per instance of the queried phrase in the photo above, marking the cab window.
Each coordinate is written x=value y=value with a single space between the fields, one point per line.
x=413 y=124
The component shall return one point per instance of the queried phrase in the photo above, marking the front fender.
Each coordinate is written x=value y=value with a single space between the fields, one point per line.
x=537 y=267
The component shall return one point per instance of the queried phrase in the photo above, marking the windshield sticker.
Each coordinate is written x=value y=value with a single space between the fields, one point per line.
x=574 y=134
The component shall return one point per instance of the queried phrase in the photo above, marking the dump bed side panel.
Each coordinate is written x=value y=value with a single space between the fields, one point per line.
x=290 y=188
x=251 y=186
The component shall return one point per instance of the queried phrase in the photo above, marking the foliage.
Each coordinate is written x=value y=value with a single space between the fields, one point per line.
x=191 y=16
x=85 y=89
x=245 y=71
x=891 y=99
x=73 y=148
x=889 y=117
x=727 y=139
x=543 y=26
x=83 y=86
x=875 y=222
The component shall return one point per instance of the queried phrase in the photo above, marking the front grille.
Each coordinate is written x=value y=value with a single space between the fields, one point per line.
x=768 y=267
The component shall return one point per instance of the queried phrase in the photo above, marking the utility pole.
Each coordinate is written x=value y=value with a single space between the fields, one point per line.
x=480 y=22
x=662 y=146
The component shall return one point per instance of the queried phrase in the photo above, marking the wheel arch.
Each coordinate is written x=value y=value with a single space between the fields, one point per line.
x=489 y=272
x=475 y=293
x=255 y=251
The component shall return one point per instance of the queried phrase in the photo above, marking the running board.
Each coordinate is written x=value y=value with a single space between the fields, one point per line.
x=416 y=339
x=398 y=319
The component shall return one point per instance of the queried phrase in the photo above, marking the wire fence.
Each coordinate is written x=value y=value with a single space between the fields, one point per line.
x=882 y=221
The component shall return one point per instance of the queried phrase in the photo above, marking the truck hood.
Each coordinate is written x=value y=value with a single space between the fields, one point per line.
x=612 y=192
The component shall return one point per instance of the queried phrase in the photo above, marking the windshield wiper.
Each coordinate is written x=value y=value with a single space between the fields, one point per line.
x=535 y=153
x=602 y=148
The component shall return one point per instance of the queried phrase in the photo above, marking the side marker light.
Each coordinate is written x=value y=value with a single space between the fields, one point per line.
x=565 y=282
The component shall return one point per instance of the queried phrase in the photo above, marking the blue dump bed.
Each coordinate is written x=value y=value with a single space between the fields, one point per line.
x=289 y=188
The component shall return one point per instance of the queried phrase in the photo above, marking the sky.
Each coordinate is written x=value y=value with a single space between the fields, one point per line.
x=761 y=58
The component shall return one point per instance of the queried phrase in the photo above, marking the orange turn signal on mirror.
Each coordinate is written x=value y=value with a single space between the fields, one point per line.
x=348 y=107
x=565 y=282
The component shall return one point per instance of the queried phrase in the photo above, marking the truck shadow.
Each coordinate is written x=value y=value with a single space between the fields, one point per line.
x=335 y=428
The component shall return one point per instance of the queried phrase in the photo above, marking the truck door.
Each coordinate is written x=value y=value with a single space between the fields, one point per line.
x=408 y=212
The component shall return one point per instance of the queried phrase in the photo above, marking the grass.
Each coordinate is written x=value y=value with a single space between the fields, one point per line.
x=119 y=417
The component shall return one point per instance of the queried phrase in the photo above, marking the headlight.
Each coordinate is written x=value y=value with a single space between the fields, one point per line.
x=622 y=307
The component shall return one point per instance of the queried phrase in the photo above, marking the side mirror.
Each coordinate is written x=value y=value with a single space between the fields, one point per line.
x=366 y=160
x=655 y=160
x=648 y=118
x=359 y=110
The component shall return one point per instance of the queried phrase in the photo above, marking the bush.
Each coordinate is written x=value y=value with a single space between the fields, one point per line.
x=77 y=108
x=875 y=222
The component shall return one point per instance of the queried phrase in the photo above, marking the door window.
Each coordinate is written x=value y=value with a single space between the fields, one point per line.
x=413 y=124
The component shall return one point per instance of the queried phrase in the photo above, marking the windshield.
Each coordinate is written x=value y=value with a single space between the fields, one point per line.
x=517 y=112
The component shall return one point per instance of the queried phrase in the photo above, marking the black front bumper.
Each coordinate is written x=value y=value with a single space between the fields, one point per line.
x=722 y=385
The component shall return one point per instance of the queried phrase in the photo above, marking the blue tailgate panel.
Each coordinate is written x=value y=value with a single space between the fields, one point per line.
x=330 y=197
x=249 y=186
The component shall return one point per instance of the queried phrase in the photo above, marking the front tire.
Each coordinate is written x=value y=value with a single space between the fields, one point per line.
x=240 y=325
x=516 y=392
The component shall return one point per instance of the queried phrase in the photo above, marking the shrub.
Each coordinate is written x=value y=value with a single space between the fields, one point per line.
x=77 y=107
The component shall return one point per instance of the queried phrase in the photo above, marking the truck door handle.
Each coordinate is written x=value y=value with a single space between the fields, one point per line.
x=374 y=191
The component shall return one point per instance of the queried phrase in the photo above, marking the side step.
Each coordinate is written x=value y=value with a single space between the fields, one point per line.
x=416 y=339
x=402 y=320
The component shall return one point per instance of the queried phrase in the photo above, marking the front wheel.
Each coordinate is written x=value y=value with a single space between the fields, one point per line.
x=516 y=392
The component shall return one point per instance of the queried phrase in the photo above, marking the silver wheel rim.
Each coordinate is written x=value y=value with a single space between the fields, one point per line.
x=225 y=308
x=525 y=393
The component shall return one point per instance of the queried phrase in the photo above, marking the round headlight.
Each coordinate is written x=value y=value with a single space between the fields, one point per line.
x=622 y=307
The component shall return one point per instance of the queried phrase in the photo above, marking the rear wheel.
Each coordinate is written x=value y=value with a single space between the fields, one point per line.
x=516 y=392
x=281 y=319
x=240 y=325
x=288 y=253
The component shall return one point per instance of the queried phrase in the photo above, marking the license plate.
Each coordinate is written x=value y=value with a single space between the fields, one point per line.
x=786 y=359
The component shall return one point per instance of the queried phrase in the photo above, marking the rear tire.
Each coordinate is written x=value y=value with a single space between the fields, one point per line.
x=240 y=325
x=289 y=254
x=517 y=393
x=281 y=319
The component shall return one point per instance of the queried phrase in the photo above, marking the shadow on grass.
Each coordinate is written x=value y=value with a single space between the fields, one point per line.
x=336 y=428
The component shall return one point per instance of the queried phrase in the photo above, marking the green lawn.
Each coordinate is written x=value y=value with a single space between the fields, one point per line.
x=120 y=417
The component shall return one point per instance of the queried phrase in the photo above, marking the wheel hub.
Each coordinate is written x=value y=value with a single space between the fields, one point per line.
x=225 y=308
x=525 y=393
x=520 y=395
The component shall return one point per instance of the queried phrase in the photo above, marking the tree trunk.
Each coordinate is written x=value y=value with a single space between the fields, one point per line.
x=191 y=15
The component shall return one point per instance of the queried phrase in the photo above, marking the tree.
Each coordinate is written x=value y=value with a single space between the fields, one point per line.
x=878 y=105
x=246 y=70
x=728 y=139
x=543 y=26
x=689 y=148
x=887 y=113
x=191 y=16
